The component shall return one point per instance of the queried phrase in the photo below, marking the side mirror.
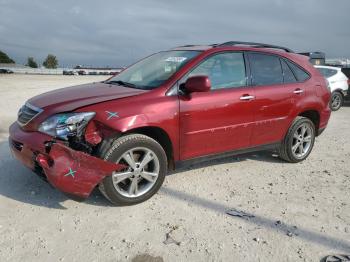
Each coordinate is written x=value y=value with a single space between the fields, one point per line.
x=197 y=84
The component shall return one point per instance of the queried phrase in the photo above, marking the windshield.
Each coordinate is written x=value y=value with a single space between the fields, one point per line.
x=154 y=70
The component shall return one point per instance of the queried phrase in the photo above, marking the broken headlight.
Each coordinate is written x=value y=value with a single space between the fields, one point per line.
x=64 y=125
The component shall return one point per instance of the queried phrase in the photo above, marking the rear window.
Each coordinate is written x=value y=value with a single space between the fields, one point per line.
x=299 y=73
x=266 y=69
x=326 y=72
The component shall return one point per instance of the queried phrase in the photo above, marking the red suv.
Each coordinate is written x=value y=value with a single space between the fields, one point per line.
x=176 y=107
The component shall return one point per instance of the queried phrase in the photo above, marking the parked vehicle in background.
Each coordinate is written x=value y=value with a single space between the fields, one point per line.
x=316 y=58
x=338 y=82
x=70 y=72
x=81 y=72
x=346 y=71
x=173 y=108
x=5 y=71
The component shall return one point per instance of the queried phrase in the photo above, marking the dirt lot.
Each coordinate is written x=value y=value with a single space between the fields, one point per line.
x=301 y=212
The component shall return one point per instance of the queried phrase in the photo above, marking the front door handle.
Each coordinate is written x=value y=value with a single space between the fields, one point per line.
x=247 y=97
x=298 y=91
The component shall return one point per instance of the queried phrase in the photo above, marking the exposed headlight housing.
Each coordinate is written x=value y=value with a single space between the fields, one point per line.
x=66 y=124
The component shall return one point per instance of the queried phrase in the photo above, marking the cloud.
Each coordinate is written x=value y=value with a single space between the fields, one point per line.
x=75 y=10
x=120 y=32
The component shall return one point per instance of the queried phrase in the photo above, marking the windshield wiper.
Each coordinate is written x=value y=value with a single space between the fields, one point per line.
x=119 y=82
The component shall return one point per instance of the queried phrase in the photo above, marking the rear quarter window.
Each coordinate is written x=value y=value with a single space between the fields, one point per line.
x=299 y=73
x=288 y=75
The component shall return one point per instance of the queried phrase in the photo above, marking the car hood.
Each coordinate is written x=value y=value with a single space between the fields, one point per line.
x=71 y=98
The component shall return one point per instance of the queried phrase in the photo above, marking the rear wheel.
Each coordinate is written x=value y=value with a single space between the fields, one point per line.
x=299 y=141
x=336 y=101
x=145 y=169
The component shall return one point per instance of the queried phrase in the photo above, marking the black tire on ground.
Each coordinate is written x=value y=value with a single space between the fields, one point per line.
x=337 y=101
x=285 y=151
x=115 y=151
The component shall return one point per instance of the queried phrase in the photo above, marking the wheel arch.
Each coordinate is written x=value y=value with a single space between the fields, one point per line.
x=314 y=116
x=161 y=136
x=338 y=90
x=110 y=133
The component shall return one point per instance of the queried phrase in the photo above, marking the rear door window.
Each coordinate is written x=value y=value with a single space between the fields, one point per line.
x=265 y=69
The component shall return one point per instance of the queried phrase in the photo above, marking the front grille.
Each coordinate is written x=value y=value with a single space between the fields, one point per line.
x=27 y=113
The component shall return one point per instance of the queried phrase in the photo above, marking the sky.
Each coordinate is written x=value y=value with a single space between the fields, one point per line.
x=118 y=33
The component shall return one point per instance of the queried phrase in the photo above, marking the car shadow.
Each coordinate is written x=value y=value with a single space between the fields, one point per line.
x=264 y=156
x=261 y=221
x=19 y=183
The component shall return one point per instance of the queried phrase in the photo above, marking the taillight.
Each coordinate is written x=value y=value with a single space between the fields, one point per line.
x=328 y=86
x=349 y=82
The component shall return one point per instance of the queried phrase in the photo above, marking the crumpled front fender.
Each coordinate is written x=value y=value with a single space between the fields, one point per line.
x=73 y=172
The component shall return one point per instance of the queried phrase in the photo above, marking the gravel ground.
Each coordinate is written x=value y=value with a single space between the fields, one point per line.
x=291 y=212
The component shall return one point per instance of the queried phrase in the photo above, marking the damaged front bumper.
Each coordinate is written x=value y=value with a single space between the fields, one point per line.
x=72 y=172
x=75 y=173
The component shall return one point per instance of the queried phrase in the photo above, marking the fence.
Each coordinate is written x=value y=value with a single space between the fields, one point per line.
x=59 y=71
x=39 y=71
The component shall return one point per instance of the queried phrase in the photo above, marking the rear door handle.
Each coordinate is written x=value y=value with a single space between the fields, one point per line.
x=298 y=91
x=247 y=97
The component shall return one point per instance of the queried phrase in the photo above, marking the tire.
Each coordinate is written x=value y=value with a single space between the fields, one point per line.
x=337 y=101
x=133 y=149
x=289 y=150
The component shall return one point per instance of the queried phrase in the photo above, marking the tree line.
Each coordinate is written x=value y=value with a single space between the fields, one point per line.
x=49 y=62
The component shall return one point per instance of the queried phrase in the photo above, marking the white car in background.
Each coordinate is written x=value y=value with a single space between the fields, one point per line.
x=338 y=83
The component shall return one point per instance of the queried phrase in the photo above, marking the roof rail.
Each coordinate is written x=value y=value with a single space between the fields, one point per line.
x=186 y=46
x=252 y=44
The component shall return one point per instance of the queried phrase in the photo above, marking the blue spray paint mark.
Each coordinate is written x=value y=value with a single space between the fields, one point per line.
x=70 y=173
x=62 y=119
x=112 y=114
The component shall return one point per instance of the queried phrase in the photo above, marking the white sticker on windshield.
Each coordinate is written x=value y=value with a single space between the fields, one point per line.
x=176 y=59
x=167 y=69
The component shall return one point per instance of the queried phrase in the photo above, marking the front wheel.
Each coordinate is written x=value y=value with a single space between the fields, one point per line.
x=145 y=169
x=336 y=101
x=299 y=141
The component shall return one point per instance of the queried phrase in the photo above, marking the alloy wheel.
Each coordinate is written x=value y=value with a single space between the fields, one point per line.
x=302 y=140
x=336 y=101
x=140 y=174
